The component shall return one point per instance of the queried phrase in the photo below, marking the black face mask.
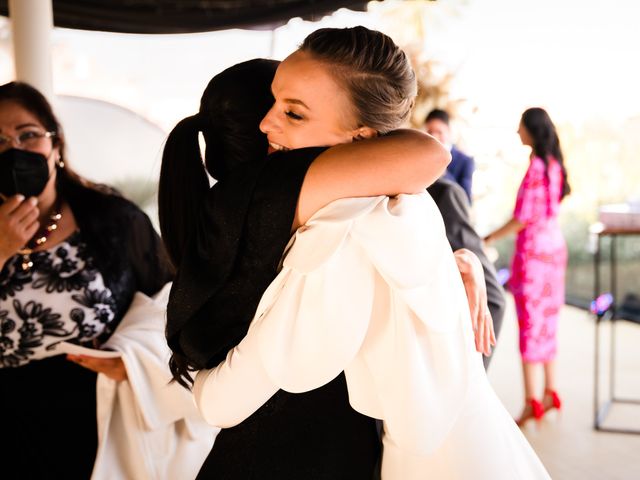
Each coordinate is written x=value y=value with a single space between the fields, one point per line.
x=23 y=172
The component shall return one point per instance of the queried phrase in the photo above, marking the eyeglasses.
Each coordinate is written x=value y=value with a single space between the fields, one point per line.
x=25 y=139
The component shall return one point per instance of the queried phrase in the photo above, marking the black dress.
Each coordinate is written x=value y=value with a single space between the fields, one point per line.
x=77 y=291
x=312 y=436
x=243 y=230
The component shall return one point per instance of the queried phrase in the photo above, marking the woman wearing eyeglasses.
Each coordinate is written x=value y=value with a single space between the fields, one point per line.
x=72 y=256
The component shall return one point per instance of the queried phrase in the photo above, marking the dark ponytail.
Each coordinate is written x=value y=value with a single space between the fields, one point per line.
x=182 y=186
x=231 y=108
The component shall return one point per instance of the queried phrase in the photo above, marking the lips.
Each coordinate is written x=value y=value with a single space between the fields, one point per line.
x=276 y=147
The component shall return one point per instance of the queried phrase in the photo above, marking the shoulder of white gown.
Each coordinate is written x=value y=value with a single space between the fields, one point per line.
x=409 y=224
x=315 y=242
x=402 y=234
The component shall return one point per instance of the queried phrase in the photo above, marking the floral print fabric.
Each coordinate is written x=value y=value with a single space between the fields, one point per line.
x=539 y=261
x=61 y=298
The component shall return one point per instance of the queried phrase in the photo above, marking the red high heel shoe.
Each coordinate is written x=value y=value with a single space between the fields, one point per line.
x=551 y=400
x=532 y=409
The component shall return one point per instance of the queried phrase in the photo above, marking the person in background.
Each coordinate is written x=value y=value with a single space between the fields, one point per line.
x=78 y=263
x=540 y=258
x=454 y=207
x=461 y=168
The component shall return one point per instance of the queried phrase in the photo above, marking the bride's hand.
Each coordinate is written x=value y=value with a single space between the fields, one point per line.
x=474 y=283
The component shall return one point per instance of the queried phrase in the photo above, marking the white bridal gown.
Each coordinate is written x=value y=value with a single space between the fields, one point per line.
x=370 y=286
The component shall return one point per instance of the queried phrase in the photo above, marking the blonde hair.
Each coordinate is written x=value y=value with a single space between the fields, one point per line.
x=373 y=69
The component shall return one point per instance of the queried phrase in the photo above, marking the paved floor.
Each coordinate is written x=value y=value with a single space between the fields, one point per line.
x=567 y=443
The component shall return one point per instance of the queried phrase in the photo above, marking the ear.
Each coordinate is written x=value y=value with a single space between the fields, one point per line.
x=363 y=133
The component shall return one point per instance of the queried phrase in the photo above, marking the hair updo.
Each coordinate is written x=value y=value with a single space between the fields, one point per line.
x=373 y=69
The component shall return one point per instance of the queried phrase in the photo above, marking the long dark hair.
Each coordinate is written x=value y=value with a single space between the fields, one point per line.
x=231 y=108
x=545 y=141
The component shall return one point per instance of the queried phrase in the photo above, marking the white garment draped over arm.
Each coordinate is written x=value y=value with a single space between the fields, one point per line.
x=148 y=428
x=356 y=294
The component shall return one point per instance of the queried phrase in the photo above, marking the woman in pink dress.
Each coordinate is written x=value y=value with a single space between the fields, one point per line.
x=540 y=258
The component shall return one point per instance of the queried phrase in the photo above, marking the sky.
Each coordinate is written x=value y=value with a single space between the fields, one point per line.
x=578 y=57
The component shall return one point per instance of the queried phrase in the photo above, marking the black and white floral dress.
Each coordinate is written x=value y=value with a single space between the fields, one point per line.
x=61 y=298
x=77 y=291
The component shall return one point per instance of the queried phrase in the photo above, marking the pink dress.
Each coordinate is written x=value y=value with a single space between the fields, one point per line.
x=539 y=261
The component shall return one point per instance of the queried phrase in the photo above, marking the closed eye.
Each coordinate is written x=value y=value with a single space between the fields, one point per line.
x=292 y=115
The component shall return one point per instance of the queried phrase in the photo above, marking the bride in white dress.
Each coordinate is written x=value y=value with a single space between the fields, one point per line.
x=396 y=321
x=369 y=286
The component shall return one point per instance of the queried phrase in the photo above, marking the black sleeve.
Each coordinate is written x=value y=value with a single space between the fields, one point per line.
x=145 y=250
x=454 y=207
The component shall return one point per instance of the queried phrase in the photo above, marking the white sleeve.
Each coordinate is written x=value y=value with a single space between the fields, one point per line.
x=308 y=327
x=229 y=393
x=419 y=349
x=369 y=287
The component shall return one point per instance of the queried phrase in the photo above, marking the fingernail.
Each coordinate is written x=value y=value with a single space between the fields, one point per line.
x=33 y=201
x=20 y=198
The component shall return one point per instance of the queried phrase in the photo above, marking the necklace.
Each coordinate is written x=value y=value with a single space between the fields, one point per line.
x=40 y=238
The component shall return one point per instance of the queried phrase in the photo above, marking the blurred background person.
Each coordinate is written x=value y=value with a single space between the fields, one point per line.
x=540 y=258
x=454 y=206
x=461 y=168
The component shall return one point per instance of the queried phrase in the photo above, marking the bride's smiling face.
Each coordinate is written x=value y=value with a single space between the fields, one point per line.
x=310 y=109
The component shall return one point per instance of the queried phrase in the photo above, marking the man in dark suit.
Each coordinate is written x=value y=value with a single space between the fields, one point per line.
x=454 y=207
x=461 y=168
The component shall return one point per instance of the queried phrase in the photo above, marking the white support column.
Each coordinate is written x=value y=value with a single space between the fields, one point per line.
x=272 y=46
x=31 y=25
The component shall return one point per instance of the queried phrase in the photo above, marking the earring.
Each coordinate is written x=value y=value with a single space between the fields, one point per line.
x=60 y=162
